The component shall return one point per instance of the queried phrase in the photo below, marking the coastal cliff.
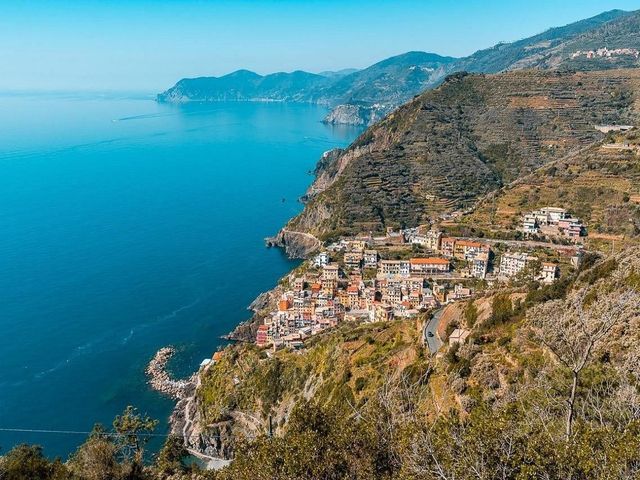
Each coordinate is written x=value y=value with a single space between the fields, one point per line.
x=358 y=115
x=295 y=244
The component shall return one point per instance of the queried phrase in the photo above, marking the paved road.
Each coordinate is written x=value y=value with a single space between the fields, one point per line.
x=524 y=243
x=431 y=326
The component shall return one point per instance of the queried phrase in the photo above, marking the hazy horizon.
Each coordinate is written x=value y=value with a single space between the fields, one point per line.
x=145 y=46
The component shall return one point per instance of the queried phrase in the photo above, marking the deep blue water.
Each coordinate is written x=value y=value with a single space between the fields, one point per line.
x=126 y=225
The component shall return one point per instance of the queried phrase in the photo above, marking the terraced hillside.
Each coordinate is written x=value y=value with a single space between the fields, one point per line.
x=601 y=185
x=555 y=48
x=451 y=145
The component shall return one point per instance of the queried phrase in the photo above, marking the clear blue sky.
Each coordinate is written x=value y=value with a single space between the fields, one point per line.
x=150 y=44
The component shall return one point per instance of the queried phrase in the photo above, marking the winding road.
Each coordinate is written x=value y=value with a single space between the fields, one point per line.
x=432 y=341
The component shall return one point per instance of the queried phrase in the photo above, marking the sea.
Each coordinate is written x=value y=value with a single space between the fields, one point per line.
x=127 y=225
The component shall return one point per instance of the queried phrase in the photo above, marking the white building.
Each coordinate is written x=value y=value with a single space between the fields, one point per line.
x=479 y=265
x=513 y=263
x=549 y=273
x=428 y=266
x=553 y=214
x=395 y=267
x=370 y=259
x=429 y=240
x=530 y=224
x=321 y=259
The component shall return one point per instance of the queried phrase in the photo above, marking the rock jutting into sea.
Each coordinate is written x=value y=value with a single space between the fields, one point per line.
x=295 y=244
x=161 y=381
x=358 y=115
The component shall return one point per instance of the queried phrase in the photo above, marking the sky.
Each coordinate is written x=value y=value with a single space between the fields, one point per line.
x=147 y=45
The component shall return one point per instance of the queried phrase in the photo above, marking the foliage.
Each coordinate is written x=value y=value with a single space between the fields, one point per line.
x=471 y=314
x=501 y=309
x=26 y=462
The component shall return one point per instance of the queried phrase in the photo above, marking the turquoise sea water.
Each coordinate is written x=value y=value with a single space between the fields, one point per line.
x=126 y=225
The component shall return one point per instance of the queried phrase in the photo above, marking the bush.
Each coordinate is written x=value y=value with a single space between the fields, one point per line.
x=471 y=314
x=501 y=308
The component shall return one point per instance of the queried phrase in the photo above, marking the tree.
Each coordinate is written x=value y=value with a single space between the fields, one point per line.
x=170 y=459
x=96 y=459
x=572 y=329
x=133 y=429
x=471 y=314
x=501 y=308
x=26 y=462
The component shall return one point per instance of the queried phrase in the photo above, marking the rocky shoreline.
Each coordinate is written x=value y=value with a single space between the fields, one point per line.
x=295 y=244
x=161 y=381
x=213 y=446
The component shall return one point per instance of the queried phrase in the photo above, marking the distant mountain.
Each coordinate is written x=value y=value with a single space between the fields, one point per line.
x=338 y=73
x=392 y=81
x=388 y=83
x=608 y=40
x=244 y=85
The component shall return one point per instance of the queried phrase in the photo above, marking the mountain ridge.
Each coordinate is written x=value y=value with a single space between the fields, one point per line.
x=372 y=92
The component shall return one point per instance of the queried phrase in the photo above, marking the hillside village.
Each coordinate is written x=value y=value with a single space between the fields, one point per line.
x=412 y=271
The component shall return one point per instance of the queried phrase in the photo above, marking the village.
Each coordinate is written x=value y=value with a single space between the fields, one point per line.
x=412 y=271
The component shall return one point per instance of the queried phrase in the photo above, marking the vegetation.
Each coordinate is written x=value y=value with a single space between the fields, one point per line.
x=548 y=387
x=452 y=146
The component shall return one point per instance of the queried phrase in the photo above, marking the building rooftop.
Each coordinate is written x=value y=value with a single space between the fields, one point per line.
x=430 y=260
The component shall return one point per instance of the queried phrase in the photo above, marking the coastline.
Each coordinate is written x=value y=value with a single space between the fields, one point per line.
x=214 y=444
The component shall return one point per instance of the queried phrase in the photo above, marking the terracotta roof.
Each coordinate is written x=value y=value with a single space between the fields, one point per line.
x=430 y=260
x=469 y=243
x=217 y=356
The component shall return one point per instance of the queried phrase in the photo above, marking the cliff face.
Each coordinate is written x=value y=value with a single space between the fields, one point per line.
x=451 y=145
x=359 y=115
x=296 y=244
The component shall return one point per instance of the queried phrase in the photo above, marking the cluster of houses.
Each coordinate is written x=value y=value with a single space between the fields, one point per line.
x=553 y=221
x=606 y=53
x=336 y=289
x=351 y=281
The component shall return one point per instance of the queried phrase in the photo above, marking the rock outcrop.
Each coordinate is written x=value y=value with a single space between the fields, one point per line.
x=261 y=306
x=295 y=244
x=358 y=115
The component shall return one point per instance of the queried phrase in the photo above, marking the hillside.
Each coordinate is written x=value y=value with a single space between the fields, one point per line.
x=555 y=46
x=380 y=377
x=600 y=185
x=452 y=145
x=364 y=96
